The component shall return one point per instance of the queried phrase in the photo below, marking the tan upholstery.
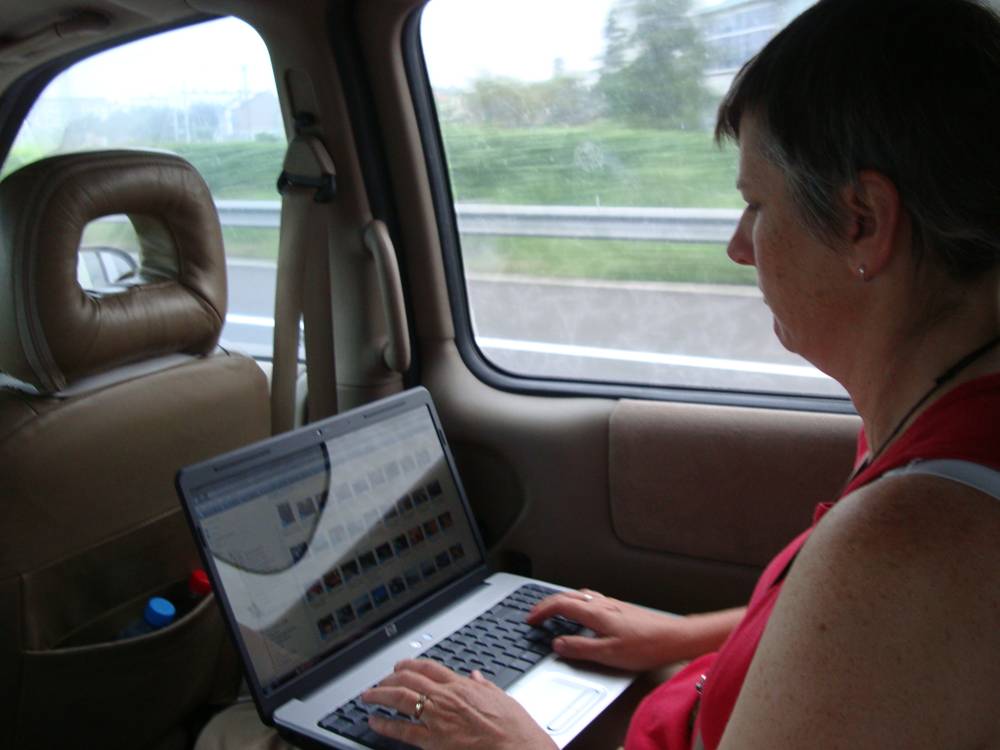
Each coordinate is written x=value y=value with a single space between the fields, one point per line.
x=51 y=331
x=115 y=393
x=663 y=455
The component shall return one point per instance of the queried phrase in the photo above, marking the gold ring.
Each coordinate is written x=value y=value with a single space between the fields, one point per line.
x=418 y=709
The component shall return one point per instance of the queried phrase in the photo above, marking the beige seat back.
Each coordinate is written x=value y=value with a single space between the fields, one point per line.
x=104 y=397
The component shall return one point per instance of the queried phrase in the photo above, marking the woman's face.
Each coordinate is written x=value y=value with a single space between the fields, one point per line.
x=803 y=280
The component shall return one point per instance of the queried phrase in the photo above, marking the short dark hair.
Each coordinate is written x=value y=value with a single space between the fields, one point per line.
x=910 y=88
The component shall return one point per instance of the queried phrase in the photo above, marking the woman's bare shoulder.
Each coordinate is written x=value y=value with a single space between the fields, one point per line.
x=887 y=627
x=912 y=523
x=921 y=554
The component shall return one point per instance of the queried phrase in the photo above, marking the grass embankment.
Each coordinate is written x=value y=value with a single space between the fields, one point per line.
x=593 y=165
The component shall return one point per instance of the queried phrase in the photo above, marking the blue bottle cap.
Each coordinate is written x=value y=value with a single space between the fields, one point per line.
x=159 y=612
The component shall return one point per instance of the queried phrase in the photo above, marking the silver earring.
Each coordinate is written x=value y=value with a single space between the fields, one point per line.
x=863 y=273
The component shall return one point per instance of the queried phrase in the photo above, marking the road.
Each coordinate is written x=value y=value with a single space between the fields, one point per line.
x=667 y=334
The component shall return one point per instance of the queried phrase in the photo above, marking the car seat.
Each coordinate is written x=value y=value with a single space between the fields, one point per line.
x=103 y=397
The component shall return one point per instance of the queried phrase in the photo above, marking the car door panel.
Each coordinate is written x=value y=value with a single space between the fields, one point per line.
x=678 y=506
x=728 y=484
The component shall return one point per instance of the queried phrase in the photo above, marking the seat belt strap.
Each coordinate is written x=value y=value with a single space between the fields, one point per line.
x=307 y=184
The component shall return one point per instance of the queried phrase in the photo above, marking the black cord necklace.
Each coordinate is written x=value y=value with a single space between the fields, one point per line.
x=939 y=382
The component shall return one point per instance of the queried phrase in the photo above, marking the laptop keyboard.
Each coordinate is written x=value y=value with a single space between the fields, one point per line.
x=499 y=643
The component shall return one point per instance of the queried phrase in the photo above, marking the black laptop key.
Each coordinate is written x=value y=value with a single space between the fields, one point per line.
x=380 y=742
x=501 y=676
x=358 y=729
x=522 y=664
x=338 y=724
x=500 y=613
x=532 y=657
x=438 y=654
x=490 y=653
x=565 y=626
x=535 y=593
x=537 y=635
x=354 y=716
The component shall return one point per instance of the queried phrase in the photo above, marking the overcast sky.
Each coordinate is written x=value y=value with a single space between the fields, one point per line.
x=462 y=39
x=515 y=38
x=213 y=57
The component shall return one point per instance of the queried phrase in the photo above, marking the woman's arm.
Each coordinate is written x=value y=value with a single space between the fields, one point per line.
x=633 y=637
x=458 y=712
x=887 y=628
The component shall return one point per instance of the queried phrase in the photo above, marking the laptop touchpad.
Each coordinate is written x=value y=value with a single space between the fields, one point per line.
x=556 y=701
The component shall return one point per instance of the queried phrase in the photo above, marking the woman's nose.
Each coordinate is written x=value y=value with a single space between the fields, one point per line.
x=740 y=248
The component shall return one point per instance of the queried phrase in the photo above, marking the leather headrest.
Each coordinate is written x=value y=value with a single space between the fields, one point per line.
x=52 y=332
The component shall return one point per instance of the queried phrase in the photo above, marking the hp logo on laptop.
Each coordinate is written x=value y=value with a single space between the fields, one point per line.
x=390 y=630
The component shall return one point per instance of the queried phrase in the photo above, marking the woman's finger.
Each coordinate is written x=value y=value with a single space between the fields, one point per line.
x=591 y=613
x=410 y=680
x=601 y=650
x=479 y=677
x=401 y=699
x=427 y=668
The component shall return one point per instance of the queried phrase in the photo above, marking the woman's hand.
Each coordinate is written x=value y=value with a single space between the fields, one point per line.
x=452 y=711
x=628 y=636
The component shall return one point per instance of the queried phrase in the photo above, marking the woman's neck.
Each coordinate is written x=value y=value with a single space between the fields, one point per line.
x=913 y=373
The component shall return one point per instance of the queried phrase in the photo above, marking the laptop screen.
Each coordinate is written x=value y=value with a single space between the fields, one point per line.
x=316 y=549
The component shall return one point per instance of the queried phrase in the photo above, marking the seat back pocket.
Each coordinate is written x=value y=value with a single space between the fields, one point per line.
x=82 y=680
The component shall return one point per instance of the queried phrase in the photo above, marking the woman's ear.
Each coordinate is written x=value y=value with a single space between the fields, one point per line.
x=874 y=215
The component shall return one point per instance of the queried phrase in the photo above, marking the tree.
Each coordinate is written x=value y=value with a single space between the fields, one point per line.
x=499 y=101
x=653 y=65
x=505 y=102
x=562 y=100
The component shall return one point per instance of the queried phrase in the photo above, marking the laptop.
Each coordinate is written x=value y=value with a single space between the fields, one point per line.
x=341 y=548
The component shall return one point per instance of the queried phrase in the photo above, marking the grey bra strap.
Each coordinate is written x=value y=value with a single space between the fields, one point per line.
x=971 y=474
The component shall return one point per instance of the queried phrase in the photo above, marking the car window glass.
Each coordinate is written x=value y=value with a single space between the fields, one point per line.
x=108 y=255
x=593 y=206
x=207 y=93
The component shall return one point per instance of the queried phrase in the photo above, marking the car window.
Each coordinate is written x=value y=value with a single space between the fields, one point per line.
x=207 y=93
x=592 y=205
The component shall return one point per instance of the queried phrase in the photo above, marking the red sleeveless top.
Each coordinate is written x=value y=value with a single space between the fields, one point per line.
x=963 y=424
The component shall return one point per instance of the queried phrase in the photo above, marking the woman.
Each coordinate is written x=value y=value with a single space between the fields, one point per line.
x=871 y=172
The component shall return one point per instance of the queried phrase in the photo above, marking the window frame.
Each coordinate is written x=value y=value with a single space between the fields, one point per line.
x=478 y=363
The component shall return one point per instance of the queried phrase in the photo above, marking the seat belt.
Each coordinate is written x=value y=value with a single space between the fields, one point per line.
x=302 y=293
